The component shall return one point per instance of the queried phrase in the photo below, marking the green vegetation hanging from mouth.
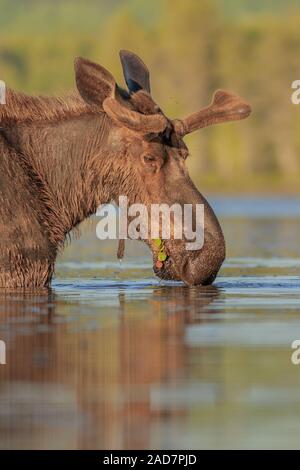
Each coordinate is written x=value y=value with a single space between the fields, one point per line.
x=162 y=255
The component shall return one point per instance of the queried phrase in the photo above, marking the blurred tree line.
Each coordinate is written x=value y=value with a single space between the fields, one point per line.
x=192 y=47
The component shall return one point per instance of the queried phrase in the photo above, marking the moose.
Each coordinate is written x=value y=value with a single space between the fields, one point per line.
x=61 y=158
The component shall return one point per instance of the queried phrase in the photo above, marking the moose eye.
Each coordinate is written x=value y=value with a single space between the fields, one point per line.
x=149 y=159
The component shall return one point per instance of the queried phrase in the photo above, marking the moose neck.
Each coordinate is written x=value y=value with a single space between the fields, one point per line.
x=73 y=164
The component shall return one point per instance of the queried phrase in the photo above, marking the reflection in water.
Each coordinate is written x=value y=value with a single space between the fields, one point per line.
x=113 y=358
x=88 y=382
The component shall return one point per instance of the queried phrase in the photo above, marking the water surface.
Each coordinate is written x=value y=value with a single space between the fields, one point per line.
x=113 y=358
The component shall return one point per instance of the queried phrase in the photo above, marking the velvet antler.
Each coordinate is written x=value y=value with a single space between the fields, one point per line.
x=133 y=119
x=225 y=107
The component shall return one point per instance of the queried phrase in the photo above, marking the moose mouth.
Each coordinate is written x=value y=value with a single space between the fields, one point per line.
x=166 y=270
x=163 y=267
x=188 y=269
x=167 y=261
x=193 y=267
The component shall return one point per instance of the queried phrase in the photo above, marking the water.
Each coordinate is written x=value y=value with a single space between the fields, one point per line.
x=113 y=358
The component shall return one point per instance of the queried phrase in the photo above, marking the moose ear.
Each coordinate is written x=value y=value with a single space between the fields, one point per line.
x=135 y=72
x=93 y=81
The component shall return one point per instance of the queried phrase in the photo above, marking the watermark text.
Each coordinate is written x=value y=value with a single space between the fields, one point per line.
x=137 y=221
x=2 y=352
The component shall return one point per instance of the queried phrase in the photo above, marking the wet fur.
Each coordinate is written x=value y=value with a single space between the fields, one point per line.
x=50 y=180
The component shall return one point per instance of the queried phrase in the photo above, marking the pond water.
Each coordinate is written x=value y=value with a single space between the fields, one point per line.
x=112 y=358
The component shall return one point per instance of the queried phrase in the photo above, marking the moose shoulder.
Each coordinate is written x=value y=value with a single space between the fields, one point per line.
x=60 y=158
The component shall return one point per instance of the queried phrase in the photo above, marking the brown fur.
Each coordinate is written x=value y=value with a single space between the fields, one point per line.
x=60 y=158
x=28 y=109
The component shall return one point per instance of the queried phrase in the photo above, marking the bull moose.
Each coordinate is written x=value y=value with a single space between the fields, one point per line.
x=60 y=158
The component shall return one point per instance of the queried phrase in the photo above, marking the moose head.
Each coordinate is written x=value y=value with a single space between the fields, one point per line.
x=70 y=155
x=151 y=147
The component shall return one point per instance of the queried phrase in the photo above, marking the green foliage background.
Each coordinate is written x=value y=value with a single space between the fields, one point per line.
x=192 y=48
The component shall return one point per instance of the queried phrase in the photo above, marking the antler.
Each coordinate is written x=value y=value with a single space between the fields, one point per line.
x=132 y=119
x=225 y=106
